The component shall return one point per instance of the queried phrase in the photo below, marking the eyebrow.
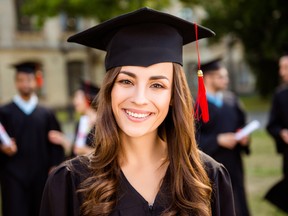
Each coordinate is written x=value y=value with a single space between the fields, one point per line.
x=151 y=78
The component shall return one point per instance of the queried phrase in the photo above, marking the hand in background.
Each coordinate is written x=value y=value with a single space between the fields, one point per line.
x=9 y=150
x=58 y=138
x=244 y=141
x=227 y=140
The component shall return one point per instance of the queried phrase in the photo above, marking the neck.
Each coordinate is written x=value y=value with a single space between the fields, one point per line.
x=26 y=97
x=211 y=90
x=142 y=151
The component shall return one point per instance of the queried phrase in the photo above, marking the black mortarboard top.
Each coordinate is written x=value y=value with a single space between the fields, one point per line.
x=141 y=38
x=25 y=67
x=212 y=65
x=89 y=90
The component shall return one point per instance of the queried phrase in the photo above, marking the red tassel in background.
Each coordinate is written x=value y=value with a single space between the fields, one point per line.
x=201 y=105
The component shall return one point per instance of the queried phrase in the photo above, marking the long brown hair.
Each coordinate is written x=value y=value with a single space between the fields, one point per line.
x=190 y=186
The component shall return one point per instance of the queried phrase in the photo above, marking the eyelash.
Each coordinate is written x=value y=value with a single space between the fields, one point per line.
x=157 y=85
x=125 y=82
x=128 y=82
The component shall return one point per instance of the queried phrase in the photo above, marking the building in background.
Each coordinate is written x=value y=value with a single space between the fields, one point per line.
x=63 y=64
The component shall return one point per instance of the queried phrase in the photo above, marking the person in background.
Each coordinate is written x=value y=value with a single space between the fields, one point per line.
x=217 y=137
x=27 y=160
x=146 y=161
x=277 y=127
x=85 y=128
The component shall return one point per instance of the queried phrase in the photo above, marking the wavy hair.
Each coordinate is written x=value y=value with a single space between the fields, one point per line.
x=190 y=185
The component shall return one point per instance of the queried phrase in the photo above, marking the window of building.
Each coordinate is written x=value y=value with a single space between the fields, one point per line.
x=24 y=22
x=75 y=72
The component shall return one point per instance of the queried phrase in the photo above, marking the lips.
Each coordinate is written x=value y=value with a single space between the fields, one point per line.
x=137 y=114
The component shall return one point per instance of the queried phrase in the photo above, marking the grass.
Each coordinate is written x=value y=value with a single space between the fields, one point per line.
x=256 y=103
x=262 y=169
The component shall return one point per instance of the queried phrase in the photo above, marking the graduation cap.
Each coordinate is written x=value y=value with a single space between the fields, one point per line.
x=26 y=67
x=141 y=38
x=212 y=65
x=145 y=37
x=90 y=90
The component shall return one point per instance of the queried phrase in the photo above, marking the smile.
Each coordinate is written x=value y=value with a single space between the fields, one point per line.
x=137 y=115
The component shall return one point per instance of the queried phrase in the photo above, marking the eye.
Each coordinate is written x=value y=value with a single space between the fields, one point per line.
x=125 y=82
x=157 y=85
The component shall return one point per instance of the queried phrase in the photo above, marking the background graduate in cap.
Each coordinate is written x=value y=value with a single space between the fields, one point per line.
x=217 y=137
x=146 y=160
x=84 y=104
x=23 y=172
x=277 y=127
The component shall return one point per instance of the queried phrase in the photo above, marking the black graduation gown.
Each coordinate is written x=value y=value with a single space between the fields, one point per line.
x=228 y=118
x=61 y=199
x=278 y=119
x=24 y=174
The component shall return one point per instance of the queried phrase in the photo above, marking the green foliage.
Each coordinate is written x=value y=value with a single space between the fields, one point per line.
x=99 y=9
x=262 y=28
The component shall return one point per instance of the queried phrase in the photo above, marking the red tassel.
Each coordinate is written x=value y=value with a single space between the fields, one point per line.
x=201 y=102
x=39 y=79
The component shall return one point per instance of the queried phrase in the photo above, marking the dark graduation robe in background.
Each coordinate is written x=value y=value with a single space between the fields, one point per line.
x=226 y=118
x=24 y=174
x=278 y=119
x=61 y=199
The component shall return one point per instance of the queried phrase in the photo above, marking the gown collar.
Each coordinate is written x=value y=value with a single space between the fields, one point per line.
x=26 y=106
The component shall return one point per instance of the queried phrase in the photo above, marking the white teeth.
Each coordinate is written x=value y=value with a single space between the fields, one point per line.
x=137 y=115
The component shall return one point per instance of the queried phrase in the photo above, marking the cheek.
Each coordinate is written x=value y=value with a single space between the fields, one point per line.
x=163 y=101
x=114 y=98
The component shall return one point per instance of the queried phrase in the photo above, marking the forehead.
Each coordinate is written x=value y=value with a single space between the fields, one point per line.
x=164 y=68
x=221 y=72
x=21 y=74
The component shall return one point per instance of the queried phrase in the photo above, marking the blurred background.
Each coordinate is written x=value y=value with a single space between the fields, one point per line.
x=250 y=36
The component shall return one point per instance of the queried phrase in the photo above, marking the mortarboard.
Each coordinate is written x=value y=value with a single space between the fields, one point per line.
x=141 y=38
x=212 y=65
x=25 y=67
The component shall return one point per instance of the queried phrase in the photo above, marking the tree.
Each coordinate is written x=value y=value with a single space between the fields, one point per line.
x=99 y=9
x=262 y=28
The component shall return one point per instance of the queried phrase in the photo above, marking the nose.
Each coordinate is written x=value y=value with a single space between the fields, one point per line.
x=140 y=95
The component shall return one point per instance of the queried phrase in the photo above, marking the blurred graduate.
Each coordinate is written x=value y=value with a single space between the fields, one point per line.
x=277 y=127
x=217 y=137
x=26 y=161
x=84 y=103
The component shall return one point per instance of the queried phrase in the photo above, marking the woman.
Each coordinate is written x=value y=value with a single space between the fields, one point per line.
x=146 y=160
x=84 y=133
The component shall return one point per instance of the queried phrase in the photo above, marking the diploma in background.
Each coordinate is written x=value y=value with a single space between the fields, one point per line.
x=5 y=139
x=249 y=128
x=83 y=130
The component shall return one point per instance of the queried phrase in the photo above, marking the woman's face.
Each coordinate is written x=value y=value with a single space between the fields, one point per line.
x=220 y=79
x=141 y=97
x=80 y=102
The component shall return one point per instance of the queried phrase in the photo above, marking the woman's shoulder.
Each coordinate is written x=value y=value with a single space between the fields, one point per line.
x=75 y=169
x=212 y=167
